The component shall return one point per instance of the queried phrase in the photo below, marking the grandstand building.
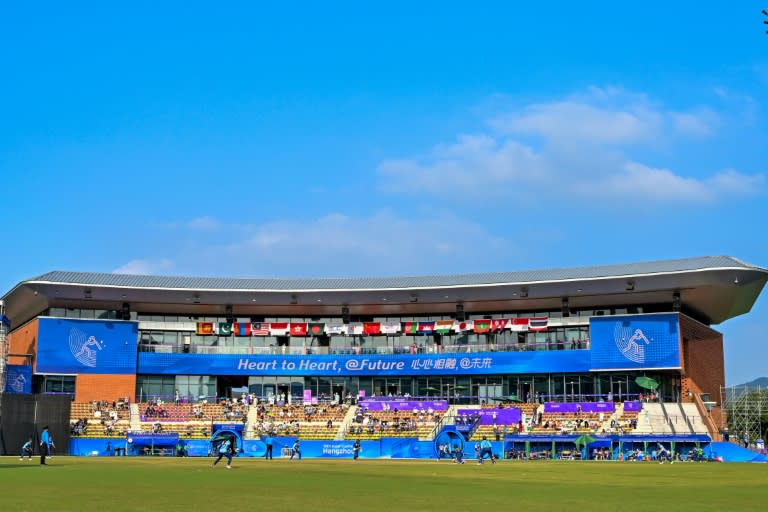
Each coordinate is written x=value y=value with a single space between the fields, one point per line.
x=558 y=335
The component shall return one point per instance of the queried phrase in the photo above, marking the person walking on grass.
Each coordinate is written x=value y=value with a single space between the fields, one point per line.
x=226 y=449
x=45 y=440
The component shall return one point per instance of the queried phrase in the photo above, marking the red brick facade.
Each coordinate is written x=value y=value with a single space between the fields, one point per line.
x=23 y=341
x=703 y=365
x=89 y=387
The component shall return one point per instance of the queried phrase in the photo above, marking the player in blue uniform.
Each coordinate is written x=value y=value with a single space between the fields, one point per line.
x=26 y=450
x=226 y=449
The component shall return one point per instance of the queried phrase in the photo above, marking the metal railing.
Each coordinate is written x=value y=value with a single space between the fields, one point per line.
x=362 y=350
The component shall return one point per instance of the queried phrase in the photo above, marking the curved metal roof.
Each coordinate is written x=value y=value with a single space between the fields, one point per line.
x=396 y=282
x=712 y=289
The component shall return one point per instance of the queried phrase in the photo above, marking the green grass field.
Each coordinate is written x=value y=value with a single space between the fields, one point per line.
x=166 y=484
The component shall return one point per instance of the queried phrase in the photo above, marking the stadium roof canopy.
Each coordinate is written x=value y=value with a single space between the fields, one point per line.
x=713 y=288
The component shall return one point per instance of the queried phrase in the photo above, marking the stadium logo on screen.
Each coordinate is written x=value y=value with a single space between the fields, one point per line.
x=18 y=383
x=631 y=343
x=84 y=348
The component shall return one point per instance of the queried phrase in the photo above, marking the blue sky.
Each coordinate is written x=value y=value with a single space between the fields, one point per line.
x=398 y=138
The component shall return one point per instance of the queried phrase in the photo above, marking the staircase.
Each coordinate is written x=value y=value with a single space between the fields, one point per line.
x=251 y=419
x=643 y=422
x=135 y=421
x=695 y=421
x=655 y=415
x=345 y=423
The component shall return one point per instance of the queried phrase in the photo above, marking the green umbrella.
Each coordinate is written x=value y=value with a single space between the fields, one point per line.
x=460 y=388
x=584 y=439
x=646 y=382
x=429 y=390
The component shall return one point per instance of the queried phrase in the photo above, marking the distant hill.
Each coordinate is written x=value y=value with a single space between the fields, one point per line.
x=740 y=389
x=758 y=382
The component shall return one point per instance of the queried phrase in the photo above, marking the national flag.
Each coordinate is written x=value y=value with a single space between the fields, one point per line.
x=410 y=327
x=467 y=325
x=336 y=329
x=499 y=324
x=482 y=326
x=444 y=326
x=298 y=329
x=538 y=323
x=426 y=327
x=260 y=329
x=242 y=329
x=204 y=328
x=355 y=329
x=225 y=329
x=315 y=329
x=371 y=328
x=278 y=329
x=518 y=324
x=390 y=327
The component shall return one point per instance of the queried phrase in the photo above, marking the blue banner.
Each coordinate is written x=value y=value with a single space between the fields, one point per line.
x=86 y=346
x=635 y=341
x=314 y=365
x=18 y=379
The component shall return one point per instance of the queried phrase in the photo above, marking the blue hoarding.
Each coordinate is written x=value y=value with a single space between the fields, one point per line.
x=18 y=379
x=635 y=341
x=86 y=346
x=431 y=364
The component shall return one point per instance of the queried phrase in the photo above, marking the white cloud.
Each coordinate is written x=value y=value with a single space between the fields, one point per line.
x=204 y=223
x=701 y=123
x=583 y=155
x=638 y=184
x=576 y=121
x=145 y=267
x=382 y=243
x=733 y=182
x=460 y=165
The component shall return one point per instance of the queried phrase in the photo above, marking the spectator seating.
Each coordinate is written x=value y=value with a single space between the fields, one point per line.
x=373 y=425
x=306 y=422
x=99 y=419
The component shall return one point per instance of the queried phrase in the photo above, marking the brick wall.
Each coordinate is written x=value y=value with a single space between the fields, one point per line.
x=703 y=365
x=22 y=341
x=90 y=387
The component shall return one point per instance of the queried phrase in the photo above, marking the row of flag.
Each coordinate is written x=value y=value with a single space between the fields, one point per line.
x=370 y=328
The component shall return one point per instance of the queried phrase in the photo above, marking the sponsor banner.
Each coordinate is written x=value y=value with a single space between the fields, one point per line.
x=18 y=379
x=574 y=407
x=86 y=346
x=635 y=341
x=510 y=416
x=555 y=361
x=633 y=406
x=165 y=438
x=404 y=405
